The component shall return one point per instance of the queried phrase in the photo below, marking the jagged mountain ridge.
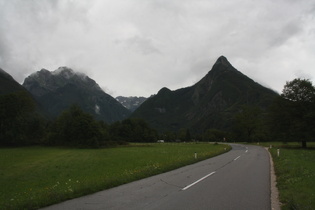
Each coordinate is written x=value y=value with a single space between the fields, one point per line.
x=59 y=89
x=132 y=102
x=210 y=103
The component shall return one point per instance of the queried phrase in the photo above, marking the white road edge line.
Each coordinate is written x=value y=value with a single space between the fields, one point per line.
x=199 y=180
x=246 y=151
x=237 y=158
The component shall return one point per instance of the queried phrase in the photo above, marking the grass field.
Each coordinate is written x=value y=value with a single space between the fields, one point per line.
x=34 y=177
x=295 y=170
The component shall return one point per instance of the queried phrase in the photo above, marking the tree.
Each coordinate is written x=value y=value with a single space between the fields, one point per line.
x=247 y=123
x=299 y=97
x=184 y=134
x=169 y=136
x=213 y=135
x=299 y=90
x=279 y=120
x=76 y=128
x=18 y=120
x=132 y=130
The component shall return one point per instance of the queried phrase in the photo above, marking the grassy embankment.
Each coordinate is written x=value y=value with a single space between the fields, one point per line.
x=295 y=170
x=34 y=177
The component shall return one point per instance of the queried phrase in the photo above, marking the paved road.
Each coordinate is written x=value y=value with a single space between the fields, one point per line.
x=239 y=179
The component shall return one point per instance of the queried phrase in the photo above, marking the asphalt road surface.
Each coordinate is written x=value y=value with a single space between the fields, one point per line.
x=239 y=179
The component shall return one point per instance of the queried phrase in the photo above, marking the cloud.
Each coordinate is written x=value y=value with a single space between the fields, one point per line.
x=142 y=44
x=137 y=47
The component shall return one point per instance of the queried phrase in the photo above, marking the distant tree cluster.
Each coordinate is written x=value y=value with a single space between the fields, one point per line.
x=21 y=125
x=132 y=130
x=76 y=128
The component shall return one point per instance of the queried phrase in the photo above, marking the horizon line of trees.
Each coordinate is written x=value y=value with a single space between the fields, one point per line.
x=22 y=125
x=289 y=118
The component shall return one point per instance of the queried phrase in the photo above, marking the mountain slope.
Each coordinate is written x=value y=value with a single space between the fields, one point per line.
x=210 y=103
x=132 y=102
x=8 y=84
x=58 y=90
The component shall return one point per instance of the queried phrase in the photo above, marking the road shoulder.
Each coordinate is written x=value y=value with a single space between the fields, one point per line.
x=275 y=203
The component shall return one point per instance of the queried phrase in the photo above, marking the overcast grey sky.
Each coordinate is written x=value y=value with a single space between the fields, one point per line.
x=136 y=47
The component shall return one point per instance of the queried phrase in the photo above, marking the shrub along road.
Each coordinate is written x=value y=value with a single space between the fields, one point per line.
x=239 y=179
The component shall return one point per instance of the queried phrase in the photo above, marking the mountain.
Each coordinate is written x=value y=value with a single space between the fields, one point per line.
x=8 y=84
x=210 y=103
x=131 y=103
x=59 y=89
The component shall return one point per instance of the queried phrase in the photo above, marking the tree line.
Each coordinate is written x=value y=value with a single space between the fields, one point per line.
x=21 y=125
x=289 y=118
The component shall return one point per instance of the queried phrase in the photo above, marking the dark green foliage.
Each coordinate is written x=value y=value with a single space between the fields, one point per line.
x=168 y=136
x=247 y=123
x=214 y=135
x=184 y=135
x=293 y=113
x=132 y=130
x=19 y=123
x=76 y=128
x=299 y=90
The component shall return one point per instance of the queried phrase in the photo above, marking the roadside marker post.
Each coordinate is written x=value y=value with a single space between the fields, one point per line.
x=195 y=155
x=278 y=152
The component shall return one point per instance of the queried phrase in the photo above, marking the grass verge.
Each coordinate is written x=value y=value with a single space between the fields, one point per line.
x=34 y=177
x=295 y=171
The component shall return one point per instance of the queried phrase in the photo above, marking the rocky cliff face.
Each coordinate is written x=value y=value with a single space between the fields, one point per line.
x=58 y=90
x=210 y=103
x=131 y=103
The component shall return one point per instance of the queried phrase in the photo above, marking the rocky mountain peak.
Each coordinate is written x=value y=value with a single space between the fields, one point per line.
x=223 y=61
x=57 y=90
x=132 y=102
x=65 y=72
x=211 y=103
x=44 y=80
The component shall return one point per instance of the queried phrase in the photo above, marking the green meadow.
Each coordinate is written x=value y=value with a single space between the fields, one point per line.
x=33 y=177
x=295 y=171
